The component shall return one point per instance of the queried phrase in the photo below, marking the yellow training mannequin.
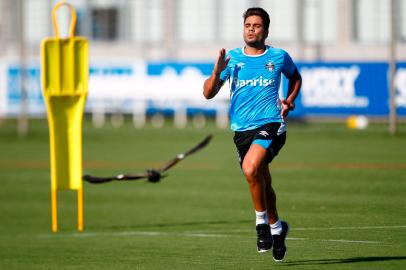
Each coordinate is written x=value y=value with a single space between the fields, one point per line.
x=64 y=78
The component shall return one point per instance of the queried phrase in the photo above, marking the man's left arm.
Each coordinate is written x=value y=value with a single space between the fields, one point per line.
x=295 y=82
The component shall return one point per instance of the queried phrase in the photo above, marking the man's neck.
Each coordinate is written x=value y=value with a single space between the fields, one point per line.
x=255 y=50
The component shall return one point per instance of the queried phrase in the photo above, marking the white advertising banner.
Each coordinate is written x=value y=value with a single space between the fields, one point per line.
x=3 y=90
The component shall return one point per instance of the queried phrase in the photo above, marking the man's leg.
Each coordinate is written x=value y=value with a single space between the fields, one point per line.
x=279 y=229
x=270 y=196
x=252 y=167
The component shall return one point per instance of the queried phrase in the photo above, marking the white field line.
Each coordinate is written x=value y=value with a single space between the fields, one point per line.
x=194 y=235
x=352 y=241
x=141 y=233
x=217 y=235
x=332 y=228
x=351 y=228
x=205 y=235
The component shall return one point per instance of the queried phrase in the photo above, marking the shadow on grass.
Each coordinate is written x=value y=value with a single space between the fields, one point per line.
x=341 y=261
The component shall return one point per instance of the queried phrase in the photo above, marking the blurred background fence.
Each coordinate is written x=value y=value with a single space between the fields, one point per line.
x=151 y=57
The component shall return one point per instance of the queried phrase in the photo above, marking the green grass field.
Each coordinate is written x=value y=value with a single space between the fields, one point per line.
x=342 y=191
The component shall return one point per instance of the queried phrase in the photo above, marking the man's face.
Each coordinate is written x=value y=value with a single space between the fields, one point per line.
x=254 y=31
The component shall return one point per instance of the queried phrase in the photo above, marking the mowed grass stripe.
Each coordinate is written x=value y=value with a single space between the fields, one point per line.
x=98 y=164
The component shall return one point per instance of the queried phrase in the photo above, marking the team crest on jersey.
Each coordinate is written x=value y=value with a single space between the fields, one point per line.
x=270 y=66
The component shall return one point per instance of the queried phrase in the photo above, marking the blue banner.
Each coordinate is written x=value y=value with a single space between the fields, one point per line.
x=341 y=89
x=329 y=88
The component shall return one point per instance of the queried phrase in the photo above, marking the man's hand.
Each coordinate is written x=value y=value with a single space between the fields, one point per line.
x=213 y=84
x=221 y=62
x=286 y=107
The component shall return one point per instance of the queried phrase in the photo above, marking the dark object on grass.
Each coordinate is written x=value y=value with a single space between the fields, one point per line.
x=153 y=175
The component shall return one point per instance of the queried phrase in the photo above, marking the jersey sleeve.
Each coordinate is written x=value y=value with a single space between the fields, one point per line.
x=288 y=65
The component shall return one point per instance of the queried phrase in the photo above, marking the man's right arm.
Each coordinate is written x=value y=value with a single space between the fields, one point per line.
x=213 y=84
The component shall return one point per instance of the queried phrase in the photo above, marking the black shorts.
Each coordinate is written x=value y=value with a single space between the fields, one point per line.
x=271 y=136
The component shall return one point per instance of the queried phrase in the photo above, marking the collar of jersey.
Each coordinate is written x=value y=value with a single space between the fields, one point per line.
x=266 y=50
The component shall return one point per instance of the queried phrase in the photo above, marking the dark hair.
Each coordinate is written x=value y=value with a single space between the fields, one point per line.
x=257 y=11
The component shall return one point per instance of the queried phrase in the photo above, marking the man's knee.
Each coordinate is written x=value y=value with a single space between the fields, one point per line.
x=251 y=171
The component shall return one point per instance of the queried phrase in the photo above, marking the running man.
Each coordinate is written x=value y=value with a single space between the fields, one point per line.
x=257 y=117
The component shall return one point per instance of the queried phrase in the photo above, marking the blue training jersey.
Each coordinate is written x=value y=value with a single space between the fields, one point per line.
x=254 y=85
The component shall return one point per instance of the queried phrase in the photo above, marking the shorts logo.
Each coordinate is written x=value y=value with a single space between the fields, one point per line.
x=270 y=66
x=263 y=133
